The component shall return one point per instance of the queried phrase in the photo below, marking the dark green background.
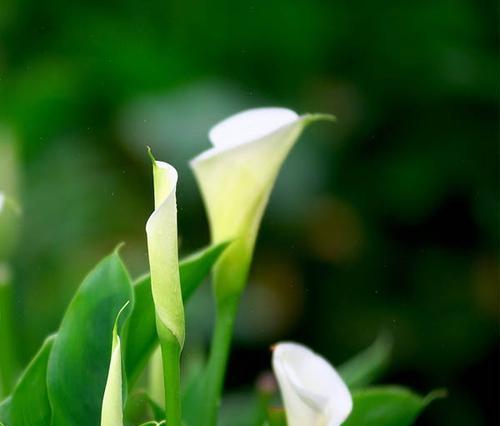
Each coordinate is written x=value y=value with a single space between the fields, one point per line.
x=387 y=220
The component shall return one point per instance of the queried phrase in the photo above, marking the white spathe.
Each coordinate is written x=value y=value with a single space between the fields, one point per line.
x=237 y=174
x=161 y=230
x=313 y=392
x=112 y=406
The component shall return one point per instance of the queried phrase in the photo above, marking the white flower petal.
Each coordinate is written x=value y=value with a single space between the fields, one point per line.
x=313 y=392
x=237 y=175
x=250 y=125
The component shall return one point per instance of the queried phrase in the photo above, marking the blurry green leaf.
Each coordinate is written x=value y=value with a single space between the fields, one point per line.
x=10 y=213
x=5 y=411
x=237 y=409
x=30 y=403
x=158 y=411
x=142 y=337
x=112 y=402
x=276 y=417
x=79 y=361
x=139 y=399
x=387 y=406
x=154 y=423
x=368 y=365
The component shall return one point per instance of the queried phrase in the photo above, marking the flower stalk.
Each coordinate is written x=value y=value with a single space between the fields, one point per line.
x=9 y=213
x=7 y=355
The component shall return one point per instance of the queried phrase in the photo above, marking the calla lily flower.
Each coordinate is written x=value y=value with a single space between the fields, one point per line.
x=313 y=392
x=161 y=230
x=237 y=174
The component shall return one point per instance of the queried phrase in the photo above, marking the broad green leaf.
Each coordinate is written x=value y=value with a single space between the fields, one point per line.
x=387 y=406
x=369 y=365
x=30 y=403
x=154 y=423
x=79 y=361
x=142 y=336
x=195 y=267
x=112 y=401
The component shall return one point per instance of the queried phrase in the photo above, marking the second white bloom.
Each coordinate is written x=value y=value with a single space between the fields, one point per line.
x=313 y=392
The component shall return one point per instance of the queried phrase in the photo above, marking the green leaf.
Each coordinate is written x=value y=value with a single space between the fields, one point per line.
x=369 y=365
x=387 y=406
x=139 y=402
x=79 y=361
x=154 y=423
x=194 y=268
x=30 y=403
x=142 y=336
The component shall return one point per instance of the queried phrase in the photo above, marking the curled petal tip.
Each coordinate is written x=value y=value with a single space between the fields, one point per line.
x=312 y=117
x=119 y=246
x=150 y=154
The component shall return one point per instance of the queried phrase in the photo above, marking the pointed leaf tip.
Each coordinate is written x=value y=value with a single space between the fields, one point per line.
x=118 y=248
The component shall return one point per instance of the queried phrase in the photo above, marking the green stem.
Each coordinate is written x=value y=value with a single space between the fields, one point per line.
x=171 y=356
x=217 y=363
x=7 y=353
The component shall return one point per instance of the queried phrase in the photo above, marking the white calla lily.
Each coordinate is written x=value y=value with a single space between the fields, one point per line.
x=236 y=177
x=237 y=174
x=161 y=230
x=313 y=392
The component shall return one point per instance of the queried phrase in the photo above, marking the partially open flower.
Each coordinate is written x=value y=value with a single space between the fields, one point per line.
x=237 y=174
x=161 y=230
x=313 y=392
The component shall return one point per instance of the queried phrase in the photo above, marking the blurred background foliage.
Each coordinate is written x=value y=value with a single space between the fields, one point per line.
x=387 y=220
